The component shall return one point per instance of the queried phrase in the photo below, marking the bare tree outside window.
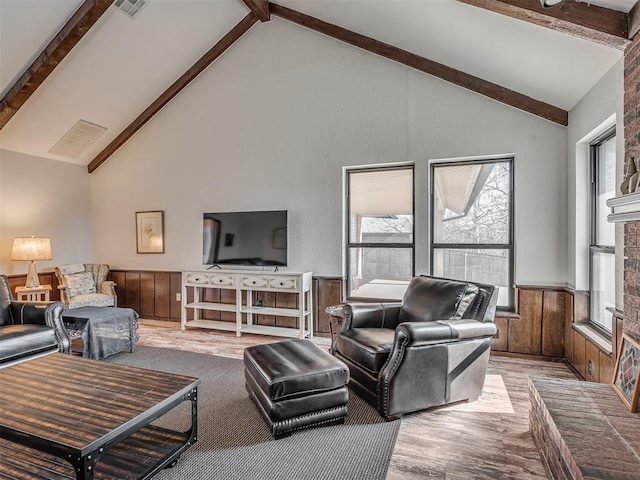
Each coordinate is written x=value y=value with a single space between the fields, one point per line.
x=472 y=223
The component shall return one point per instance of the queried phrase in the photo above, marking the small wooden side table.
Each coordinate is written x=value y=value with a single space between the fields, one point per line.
x=35 y=294
x=336 y=312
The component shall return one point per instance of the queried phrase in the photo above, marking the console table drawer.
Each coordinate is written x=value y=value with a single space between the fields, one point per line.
x=290 y=283
x=199 y=279
x=251 y=281
x=227 y=280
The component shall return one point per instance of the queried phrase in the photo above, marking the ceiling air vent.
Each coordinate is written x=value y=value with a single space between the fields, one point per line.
x=130 y=7
x=77 y=140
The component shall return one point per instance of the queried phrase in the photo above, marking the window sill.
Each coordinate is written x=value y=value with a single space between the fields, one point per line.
x=590 y=333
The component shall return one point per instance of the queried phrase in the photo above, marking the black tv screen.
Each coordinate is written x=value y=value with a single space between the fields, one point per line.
x=245 y=238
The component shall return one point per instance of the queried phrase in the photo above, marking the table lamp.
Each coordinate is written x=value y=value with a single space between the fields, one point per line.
x=31 y=249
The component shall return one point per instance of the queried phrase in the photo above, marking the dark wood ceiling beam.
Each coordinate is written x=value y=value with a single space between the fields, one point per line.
x=590 y=22
x=196 y=69
x=462 y=79
x=260 y=8
x=68 y=37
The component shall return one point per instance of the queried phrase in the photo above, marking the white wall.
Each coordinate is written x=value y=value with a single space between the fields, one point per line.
x=601 y=108
x=44 y=198
x=270 y=126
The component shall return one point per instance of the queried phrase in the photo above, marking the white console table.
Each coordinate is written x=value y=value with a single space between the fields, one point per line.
x=244 y=283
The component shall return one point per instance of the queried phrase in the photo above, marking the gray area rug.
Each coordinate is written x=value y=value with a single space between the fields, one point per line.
x=235 y=443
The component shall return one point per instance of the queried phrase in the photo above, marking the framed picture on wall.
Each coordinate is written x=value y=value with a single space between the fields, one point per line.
x=150 y=232
x=626 y=380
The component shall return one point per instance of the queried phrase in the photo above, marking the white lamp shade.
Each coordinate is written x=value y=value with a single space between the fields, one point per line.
x=31 y=248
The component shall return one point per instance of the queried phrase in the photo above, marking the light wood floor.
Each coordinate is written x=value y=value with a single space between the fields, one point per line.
x=486 y=439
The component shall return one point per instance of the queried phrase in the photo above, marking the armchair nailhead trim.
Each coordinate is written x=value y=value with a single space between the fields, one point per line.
x=395 y=363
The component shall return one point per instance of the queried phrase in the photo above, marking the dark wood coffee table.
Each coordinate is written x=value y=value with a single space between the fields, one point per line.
x=94 y=415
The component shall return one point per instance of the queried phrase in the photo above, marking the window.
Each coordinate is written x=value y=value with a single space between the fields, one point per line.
x=602 y=249
x=472 y=223
x=380 y=235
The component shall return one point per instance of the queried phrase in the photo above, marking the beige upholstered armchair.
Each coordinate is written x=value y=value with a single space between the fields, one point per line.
x=86 y=284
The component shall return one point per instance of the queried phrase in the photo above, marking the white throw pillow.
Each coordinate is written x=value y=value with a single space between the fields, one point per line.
x=80 y=283
x=71 y=268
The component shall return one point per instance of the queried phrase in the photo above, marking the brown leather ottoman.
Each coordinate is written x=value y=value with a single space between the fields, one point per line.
x=296 y=385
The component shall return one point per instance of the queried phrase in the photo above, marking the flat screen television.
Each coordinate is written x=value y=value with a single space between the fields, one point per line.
x=245 y=238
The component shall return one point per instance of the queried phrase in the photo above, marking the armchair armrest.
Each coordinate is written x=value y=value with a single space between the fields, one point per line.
x=370 y=315
x=49 y=314
x=414 y=334
x=108 y=288
x=64 y=295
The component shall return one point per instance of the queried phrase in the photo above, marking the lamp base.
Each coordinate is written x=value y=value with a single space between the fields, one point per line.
x=32 y=276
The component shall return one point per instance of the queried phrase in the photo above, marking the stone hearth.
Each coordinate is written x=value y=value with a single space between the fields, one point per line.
x=583 y=430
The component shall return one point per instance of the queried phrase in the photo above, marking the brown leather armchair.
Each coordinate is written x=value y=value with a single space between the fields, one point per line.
x=431 y=349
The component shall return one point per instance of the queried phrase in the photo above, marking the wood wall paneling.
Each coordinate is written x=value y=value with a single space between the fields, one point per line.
x=162 y=295
x=227 y=296
x=210 y=295
x=553 y=317
x=55 y=292
x=176 y=288
x=327 y=291
x=120 y=280
x=525 y=334
x=286 y=300
x=538 y=330
x=15 y=282
x=568 y=328
x=607 y=367
x=500 y=343
x=578 y=360
x=592 y=362
x=147 y=294
x=268 y=300
x=132 y=292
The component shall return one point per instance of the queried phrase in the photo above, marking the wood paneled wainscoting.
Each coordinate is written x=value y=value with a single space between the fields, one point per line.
x=550 y=323
x=545 y=325
x=536 y=329
x=156 y=295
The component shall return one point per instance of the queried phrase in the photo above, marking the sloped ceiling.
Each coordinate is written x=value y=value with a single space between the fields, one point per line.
x=122 y=65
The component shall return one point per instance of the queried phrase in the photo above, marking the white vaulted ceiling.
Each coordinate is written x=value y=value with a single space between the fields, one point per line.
x=122 y=65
